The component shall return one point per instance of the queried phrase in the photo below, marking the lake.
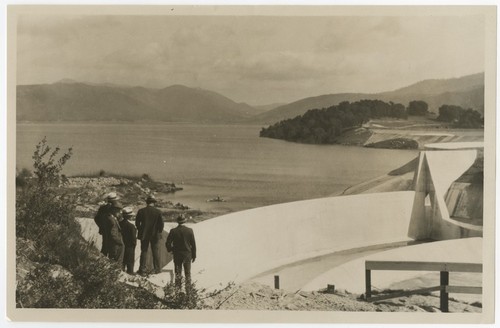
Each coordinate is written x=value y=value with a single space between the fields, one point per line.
x=209 y=160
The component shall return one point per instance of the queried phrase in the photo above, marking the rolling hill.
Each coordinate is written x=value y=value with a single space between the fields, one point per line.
x=467 y=91
x=74 y=101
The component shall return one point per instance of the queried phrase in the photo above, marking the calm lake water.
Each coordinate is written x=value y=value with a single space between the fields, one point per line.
x=210 y=160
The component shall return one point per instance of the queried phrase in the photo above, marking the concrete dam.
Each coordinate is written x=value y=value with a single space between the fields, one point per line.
x=241 y=246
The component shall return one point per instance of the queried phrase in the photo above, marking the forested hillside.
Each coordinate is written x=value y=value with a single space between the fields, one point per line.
x=323 y=126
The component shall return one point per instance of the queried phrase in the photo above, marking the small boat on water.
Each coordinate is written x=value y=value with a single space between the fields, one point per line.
x=216 y=199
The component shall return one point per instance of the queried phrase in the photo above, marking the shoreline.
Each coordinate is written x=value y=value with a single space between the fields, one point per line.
x=133 y=189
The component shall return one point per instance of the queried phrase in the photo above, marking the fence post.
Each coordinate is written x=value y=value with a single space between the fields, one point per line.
x=368 y=284
x=443 y=295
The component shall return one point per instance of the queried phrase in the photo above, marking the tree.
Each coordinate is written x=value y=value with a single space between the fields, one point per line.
x=418 y=107
x=460 y=117
x=449 y=113
x=470 y=119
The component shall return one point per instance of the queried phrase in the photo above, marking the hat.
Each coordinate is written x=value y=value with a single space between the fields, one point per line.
x=112 y=196
x=151 y=199
x=128 y=212
x=116 y=204
x=181 y=219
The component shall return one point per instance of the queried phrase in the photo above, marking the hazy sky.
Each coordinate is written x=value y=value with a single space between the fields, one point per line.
x=257 y=59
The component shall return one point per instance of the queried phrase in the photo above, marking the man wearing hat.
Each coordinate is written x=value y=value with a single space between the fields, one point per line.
x=114 y=233
x=101 y=219
x=149 y=225
x=181 y=242
x=129 y=234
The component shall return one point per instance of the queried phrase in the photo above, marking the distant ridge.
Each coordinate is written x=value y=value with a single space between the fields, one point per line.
x=466 y=91
x=69 y=100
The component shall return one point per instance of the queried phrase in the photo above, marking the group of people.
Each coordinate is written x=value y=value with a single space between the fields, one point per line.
x=119 y=237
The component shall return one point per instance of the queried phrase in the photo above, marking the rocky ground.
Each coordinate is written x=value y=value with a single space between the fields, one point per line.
x=89 y=194
x=254 y=296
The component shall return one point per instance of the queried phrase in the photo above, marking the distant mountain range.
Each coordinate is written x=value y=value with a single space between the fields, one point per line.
x=69 y=100
x=75 y=101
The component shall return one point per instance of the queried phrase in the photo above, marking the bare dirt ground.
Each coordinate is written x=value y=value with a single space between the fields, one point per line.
x=255 y=296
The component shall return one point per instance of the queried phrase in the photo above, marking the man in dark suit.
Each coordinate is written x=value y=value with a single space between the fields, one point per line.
x=181 y=242
x=129 y=234
x=101 y=219
x=149 y=225
x=114 y=234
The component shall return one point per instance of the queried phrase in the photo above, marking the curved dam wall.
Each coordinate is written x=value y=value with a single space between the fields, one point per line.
x=351 y=275
x=238 y=246
x=436 y=172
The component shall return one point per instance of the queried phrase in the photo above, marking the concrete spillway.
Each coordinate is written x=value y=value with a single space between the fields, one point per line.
x=350 y=276
x=238 y=246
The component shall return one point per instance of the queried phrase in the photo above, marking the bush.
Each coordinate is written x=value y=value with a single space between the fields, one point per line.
x=48 y=287
x=68 y=271
x=182 y=298
x=39 y=208
x=23 y=177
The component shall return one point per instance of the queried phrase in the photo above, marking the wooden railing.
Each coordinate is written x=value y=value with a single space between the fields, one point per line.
x=443 y=267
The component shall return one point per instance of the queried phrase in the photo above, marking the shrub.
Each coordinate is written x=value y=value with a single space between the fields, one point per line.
x=45 y=219
x=48 y=287
x=39 y=208
x=23 y=177
x=182 y=298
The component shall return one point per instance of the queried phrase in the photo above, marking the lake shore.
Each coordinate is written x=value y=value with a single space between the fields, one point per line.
x=90 y=192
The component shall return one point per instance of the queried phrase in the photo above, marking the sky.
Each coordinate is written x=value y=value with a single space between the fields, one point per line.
x=253 y=59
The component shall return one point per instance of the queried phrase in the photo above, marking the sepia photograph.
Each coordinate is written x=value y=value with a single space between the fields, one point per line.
x=249 y=164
